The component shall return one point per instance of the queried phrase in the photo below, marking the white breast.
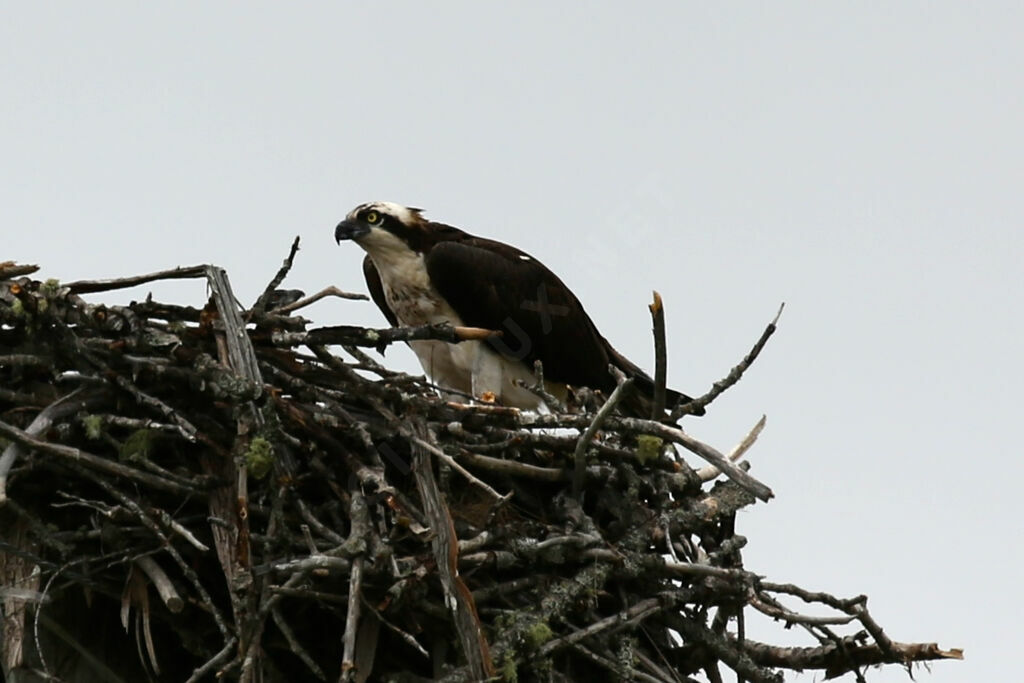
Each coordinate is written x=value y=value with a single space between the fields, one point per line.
x=469 y=368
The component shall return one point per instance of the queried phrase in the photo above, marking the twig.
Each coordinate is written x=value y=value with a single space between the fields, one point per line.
x=636 y=425
x=710 y=472
x=836 y=660
x=9 y=269
x=93 y=461
x=89 y=286
x=579 y=456
x=458 y=599
x=514 y=468
x=407 y=637
x=614 y=667
x=153 y=527
x=637 y=612
x=348 y=663
x=164 y=587
x=59 y=409
x=215 y=661
x=725 y=650
x=178 y=528
x=538 y=388
x=296 y=645
x=450 y=461
x=312 y=299
x=794 y=618
x=660 y=357
x=155 y=404
x=694 y=406
x=260 y=307
x=379 y=338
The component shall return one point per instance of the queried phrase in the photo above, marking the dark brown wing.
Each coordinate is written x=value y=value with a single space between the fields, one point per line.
x=498 y=287
x=495 y=286
x=377 y=290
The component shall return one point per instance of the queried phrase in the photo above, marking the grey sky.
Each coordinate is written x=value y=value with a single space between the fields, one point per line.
x=862 y=164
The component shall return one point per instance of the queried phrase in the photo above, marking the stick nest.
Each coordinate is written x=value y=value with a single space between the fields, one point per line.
x=192 y=493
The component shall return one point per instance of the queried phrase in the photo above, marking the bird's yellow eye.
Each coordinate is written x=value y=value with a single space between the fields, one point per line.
x=372 y=217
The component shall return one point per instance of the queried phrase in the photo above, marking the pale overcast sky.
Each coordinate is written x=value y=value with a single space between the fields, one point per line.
x=860 y=161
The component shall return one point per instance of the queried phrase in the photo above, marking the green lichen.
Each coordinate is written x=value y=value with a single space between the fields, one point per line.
x=509 y=674
x=537 y=634
x=18 y=308
x=93 y=426
x=137 y=446
x=50 y=287
x=648 y=447
x=259 y=459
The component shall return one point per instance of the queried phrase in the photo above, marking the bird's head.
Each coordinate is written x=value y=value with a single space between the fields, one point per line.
x=379 y=226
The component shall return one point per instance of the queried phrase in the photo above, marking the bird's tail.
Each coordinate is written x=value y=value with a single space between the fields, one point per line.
x=641 y=403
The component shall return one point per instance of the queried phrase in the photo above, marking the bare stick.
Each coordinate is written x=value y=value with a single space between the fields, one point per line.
x=296 y=645
x=654 y=428
x=579 y=457
x=539 y=389
x=57 y=410
x=458 y=599
x=710 y=472
x=313 y=298
x=512 y=467
x=639 y=611
x=795 y=618
x=87 y=286
x=162 y=582
x=348 y=664
x=225 y=652
x=379 y=338
x=837 y=659
x=261 y=304
x=660 y=357
x=178 y=528
x=450 y=461
x=407 y=637
x=9 y=269
x=94 y=462
x=734 y=375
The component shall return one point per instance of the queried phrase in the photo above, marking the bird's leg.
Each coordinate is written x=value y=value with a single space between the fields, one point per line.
x=488 y=373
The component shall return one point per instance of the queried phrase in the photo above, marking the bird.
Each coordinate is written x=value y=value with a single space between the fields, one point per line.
x=421 y=272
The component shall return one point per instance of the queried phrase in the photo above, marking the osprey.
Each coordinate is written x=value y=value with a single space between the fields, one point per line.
x=420 y=272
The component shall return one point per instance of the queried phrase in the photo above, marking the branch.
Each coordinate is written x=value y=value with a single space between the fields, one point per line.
x=710 y=472
x=164 y=587
x=260 y=307
x=848 y=655
x=313 y=298
x=94 y=462
x=348 y=662
x=694 y=406
x=380 y=338
x=89 y=286
x=660 y=357
x=9 y=269
x=579 y=457
x=458 y=599
x=59 y=409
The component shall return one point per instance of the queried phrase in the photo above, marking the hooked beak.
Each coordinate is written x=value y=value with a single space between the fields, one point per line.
x=350 y=230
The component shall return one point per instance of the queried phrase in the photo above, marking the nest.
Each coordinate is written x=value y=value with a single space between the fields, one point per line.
x=198 y=493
